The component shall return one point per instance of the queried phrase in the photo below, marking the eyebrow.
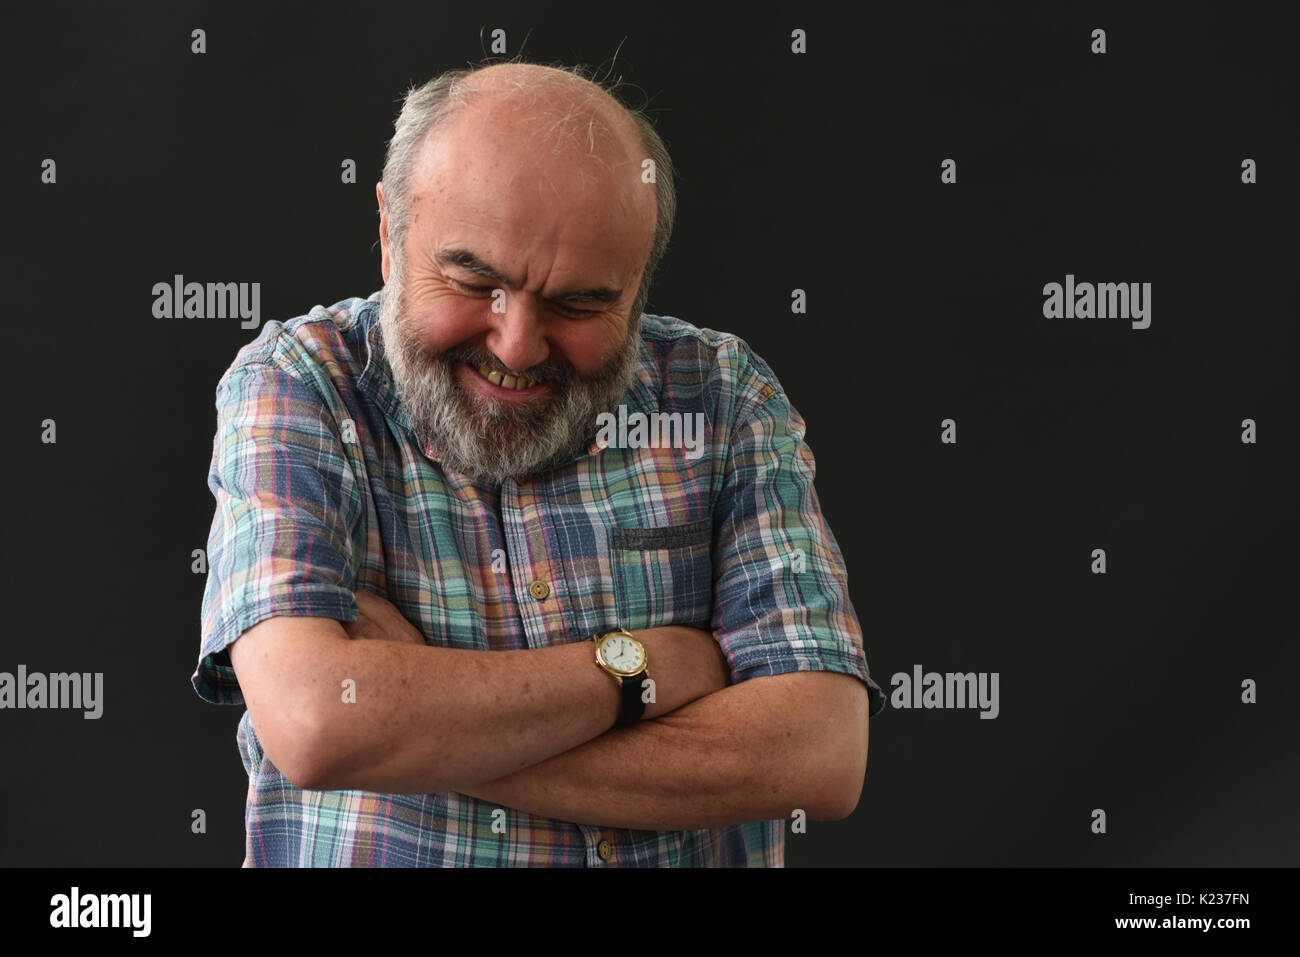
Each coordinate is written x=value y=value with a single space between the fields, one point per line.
x=455 y=256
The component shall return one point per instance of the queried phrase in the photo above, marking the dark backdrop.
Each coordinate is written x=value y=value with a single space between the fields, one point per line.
x=819 y=171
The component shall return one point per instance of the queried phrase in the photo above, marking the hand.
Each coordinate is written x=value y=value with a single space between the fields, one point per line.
x=719 y=672
x=714 y=671
x=379 y=619
x=685 y=663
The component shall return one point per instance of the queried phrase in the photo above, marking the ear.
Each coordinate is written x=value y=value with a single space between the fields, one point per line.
x=385 y=264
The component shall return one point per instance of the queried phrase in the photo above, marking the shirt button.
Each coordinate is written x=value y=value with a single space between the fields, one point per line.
x=539 y=590
x=605 y=849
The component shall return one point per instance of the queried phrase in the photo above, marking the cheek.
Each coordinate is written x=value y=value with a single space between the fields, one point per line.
x=442 y=321
x=588 y=346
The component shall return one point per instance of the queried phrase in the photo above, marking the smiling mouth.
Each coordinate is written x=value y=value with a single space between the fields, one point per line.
x=501 y=380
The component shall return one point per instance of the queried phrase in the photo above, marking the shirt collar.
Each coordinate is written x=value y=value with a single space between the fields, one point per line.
x=376 y=381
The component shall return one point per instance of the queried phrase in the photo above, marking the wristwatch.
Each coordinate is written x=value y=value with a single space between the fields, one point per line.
x=624 y=657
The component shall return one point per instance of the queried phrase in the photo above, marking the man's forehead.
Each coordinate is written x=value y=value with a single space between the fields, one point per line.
x=501 y=144
x=561 y=109
x=482 y=184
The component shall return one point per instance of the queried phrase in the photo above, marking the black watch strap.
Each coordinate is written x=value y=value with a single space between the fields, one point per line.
x=632 y=707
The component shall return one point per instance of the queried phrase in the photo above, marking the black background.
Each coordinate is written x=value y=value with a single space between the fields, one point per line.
x=821 y=171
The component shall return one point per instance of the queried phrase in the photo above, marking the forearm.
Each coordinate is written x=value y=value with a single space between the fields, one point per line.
x=749 y=752
x=422 y=719
x=430 y=719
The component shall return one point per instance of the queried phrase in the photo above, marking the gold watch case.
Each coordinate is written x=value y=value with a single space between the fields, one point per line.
x=618 y=672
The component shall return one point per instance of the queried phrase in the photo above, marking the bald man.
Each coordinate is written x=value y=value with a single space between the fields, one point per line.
x=471 y=626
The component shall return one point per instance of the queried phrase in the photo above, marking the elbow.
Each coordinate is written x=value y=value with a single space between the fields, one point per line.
x=844 y=777
x=293 y=743
x=302 y=776
x=308 y=774
x=285 y=666
x=841 y=799
x=318 y=765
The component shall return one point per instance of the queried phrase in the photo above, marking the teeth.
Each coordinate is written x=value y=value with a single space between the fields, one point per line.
x=505 y=381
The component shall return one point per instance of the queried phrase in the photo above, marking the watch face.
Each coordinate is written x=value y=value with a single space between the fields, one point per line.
x=623 y=654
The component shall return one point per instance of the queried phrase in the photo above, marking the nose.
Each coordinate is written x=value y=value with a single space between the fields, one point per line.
x=518 y=336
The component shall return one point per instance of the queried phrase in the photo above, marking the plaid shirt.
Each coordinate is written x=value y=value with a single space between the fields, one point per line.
x=322 y=488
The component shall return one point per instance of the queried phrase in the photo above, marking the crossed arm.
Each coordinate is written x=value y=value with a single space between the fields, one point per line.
x=707 y=754
x=749 y=752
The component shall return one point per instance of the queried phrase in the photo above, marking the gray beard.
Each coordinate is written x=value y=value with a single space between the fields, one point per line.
x=484 y=439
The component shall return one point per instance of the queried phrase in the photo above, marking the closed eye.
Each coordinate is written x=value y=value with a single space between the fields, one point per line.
x=562 y=307
x=569 y=310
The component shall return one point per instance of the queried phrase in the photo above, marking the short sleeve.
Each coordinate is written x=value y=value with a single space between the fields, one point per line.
x=781 y=599
x=281 y=541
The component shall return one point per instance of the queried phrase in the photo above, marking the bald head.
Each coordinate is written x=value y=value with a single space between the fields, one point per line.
x=519 y=234
x=570 y=126
x=554 y=106
x=534 y=147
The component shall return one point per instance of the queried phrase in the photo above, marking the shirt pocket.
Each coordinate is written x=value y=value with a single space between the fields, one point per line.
x=663 y=576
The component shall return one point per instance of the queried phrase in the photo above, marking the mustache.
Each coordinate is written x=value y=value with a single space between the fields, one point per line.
x=476 y=356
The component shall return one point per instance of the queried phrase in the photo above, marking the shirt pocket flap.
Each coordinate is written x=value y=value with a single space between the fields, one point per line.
x=663 y=576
